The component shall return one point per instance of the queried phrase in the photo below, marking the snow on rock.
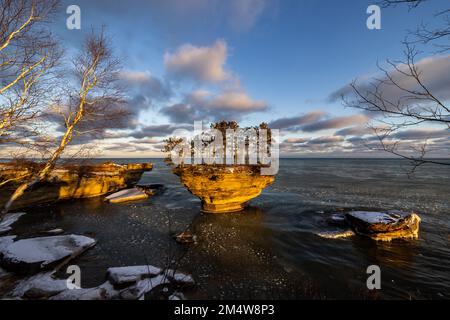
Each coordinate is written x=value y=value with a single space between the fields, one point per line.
x=121 y=275
x=8 y=220
x=33 y=254
x=126 y=195
x=40 y=286
x=5 y=242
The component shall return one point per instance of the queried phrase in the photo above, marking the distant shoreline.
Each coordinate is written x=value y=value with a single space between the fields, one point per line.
x=282 y=158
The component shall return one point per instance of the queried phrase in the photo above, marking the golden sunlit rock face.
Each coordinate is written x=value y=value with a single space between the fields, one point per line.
x=223 y=188
x=73 y=182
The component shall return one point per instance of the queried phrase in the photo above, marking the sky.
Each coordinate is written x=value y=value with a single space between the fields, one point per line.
x=284 y=62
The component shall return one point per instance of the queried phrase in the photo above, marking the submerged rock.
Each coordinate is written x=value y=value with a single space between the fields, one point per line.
x=337 y=234
x=186 y=237
x=127 y=195
x=8 y=220
x=338 y=219
x=152 y=189
x=34 y=254
x=385 y=226
x=70 y=181
x=53 y=231
x=223 y=188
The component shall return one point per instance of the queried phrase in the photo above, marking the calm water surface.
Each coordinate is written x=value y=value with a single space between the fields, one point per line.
x=272 y=250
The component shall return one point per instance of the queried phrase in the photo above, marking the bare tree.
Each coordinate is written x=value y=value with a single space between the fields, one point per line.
x=28 y=54
x=92 y=101
x=402 y=97
x=411 y=3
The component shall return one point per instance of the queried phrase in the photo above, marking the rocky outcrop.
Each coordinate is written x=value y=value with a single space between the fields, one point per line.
x=71 y=181
x=223 y=188
x=385 y=226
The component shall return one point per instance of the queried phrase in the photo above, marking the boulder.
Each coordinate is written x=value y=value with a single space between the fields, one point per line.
x=385 y=226
x=123 y=275
x=35 y=254
x=127 y=195
x=8 y=220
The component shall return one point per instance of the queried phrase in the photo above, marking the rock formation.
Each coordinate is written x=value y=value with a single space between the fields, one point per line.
x=385 y=226
x=71 y=181
x=223 y=188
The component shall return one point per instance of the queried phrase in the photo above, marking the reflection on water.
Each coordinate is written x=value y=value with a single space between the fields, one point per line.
x=271 y=250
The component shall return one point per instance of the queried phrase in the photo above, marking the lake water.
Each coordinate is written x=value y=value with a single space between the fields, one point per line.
x=271 y=250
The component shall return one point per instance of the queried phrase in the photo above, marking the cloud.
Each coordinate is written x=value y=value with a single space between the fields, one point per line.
x=354 y=131
x=421 y=134
x=284 y=123
x=335 y=123
x=160 y=130
x=204 y=105
x=244 y=14
x=295 y=140
x=434 y=74
x=201 y=64
x=326 y=140
x=144 y=89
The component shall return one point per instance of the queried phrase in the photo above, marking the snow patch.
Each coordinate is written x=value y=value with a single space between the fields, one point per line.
x=8 y=220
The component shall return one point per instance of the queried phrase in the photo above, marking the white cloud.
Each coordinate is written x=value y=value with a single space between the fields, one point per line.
x=202 y=64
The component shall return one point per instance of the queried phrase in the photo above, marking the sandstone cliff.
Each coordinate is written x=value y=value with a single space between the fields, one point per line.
x=71 y=181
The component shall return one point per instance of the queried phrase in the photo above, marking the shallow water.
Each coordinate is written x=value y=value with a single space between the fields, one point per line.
x=271 y=250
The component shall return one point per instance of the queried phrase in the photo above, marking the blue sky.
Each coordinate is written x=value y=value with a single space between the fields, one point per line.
x=273 y=60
